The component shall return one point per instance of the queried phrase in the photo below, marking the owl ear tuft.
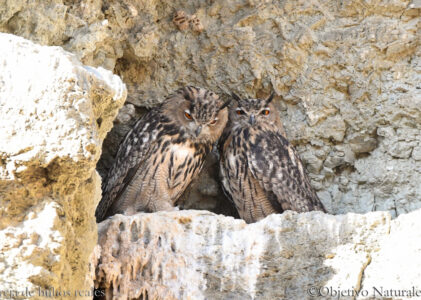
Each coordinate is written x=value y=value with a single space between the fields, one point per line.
x=225 y=104
x=236 y=97
x=269 y=100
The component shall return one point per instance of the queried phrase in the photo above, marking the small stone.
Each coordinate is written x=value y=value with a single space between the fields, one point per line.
x=400 y=149
x=416 y=153
x=181 y=20
x=362 y=144
x=311 y=161
x=126 y=113
x=196 y=24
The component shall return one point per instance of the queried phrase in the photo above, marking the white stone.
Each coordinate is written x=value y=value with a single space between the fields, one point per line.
x=55 y=113
x=200 y=255
x=397 y=263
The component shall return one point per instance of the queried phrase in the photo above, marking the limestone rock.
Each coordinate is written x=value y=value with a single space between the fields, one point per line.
x=200 y=255
x=416 y=154
x=55 y=113
x=361 y=143
x=395 y=270
x=341 y=72
x=346 y=75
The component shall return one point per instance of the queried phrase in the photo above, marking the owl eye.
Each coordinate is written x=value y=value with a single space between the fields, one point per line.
x=188 y=116
x=265 y=112
x=213 y=122
x=240 y=112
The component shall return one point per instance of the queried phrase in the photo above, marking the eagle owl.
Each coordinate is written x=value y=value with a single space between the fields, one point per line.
x=161 y=154
x=260 y=170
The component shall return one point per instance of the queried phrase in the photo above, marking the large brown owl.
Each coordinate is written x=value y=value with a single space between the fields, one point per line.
x=260 y=170
x=162 y=153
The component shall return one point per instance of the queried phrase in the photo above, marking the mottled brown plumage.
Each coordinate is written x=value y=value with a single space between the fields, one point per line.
x=260 y=170
x=162 y=153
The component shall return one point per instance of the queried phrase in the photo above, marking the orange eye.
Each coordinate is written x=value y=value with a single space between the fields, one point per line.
x=240 y=112
x=265 y=112
x=213 y=122
x=187 y=115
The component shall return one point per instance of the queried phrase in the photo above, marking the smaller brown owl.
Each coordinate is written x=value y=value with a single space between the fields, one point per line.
x=260 y=170
x=163 y=152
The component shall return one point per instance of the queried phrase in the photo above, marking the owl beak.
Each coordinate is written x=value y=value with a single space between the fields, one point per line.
x=198 y=130
x=252 y=120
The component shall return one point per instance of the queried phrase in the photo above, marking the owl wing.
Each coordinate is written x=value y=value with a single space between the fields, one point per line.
x=135 y=147
x=223 y=144
x=275 y=164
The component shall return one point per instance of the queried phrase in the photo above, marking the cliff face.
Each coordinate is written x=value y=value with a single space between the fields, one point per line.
x=347 y=79
x=346 y=76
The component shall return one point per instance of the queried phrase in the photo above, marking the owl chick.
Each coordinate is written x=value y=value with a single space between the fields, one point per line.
x=260 y=170
x=162 y=153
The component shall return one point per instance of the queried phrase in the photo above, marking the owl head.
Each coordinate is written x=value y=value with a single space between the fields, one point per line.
x=199 y=113
x=254 y=112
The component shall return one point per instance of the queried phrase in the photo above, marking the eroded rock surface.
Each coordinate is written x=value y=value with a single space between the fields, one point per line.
x=55 y=113
x=347 y=77
x=200 y=255
x=397 y=264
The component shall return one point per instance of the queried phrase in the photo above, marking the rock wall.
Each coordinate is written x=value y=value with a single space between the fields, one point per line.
x=55 y=113
x=346 y=75
x=288 y=256
x=347 y=79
